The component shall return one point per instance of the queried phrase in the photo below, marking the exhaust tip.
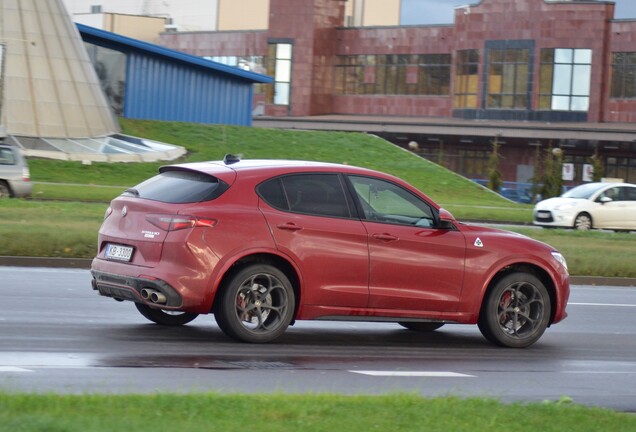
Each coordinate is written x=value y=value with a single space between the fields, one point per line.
x=157 y=297
x=145 y=294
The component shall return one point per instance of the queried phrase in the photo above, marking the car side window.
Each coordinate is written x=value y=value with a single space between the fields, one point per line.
x=631 y=194
x=383 y=201
x=6 y=157
x=314 y=194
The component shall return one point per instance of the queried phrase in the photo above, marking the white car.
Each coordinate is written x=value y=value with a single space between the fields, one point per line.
x=592 y=205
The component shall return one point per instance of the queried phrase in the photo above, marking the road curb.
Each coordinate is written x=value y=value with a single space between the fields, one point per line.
x=85 y=263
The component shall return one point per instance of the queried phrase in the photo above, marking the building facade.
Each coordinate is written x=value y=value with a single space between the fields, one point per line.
x=502 y=62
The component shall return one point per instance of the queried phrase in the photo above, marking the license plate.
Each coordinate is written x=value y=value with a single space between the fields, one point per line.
x=543 y=213
x=117 y=252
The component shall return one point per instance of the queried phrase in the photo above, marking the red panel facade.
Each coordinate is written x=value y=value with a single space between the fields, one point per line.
x=315 y=29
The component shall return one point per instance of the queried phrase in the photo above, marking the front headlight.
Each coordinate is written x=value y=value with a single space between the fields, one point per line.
x=560 y=258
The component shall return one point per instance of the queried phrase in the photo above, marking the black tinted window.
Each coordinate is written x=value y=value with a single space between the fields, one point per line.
x=315 y=194
x=272 y=192
x=179 y=187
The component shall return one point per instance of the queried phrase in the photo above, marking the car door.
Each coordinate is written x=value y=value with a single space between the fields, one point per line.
x=612 y=213
x=311 y=220
x=413 y=264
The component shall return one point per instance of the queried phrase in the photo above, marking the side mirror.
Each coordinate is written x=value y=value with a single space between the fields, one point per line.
x=446 y=220
x=605 y=200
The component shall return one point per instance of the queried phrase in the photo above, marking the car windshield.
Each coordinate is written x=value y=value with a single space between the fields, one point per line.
x=584 y=191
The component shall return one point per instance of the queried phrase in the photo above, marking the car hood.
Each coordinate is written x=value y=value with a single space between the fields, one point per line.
x=552 y=203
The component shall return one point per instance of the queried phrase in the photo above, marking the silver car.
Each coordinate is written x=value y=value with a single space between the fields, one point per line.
x=15 y=178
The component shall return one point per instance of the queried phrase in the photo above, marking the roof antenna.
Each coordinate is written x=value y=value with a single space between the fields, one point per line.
x=230 y=159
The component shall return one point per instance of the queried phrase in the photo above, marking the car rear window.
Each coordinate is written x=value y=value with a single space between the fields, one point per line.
x=179 y=186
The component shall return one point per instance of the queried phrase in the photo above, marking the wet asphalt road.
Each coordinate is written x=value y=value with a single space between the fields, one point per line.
x=56 y=334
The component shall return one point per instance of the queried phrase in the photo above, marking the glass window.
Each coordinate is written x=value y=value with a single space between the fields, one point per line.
x=425 y=74
x=315 y=194
x=179 y=186
x=110 y=66
x=280 y=67
x=466 y=79
x=623 y=75
x=508 y=78
x=385 y=202
x=565 y=77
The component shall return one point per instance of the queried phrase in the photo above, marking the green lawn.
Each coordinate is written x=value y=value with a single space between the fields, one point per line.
x=69 y=229
x=295 y=413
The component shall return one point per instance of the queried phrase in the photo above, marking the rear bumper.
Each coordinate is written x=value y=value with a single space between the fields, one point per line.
x=129 y=288
x=21 y=189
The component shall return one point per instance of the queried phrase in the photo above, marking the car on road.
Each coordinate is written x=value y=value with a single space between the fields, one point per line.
x=15 y=178
x=263 y=243
x=592 y=205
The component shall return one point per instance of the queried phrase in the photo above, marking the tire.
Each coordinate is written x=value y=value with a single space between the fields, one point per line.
x=423 y=327
x=516 y=312
x=4 y=190
x=583 y=222
x=256 y=304
x=166 y=318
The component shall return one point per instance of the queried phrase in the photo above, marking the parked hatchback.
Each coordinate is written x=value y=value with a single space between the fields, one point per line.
x=592 y=205
x=15 y=178
x=263 y=243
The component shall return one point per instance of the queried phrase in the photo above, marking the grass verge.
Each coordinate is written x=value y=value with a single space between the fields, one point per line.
x=206 y=412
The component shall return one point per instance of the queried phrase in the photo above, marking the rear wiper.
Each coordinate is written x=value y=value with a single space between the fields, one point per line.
x=132 y=191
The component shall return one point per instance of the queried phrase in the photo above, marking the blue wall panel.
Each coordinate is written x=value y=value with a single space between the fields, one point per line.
x=158 y=89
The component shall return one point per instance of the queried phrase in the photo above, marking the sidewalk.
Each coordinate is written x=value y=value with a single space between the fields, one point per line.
x=83 y=263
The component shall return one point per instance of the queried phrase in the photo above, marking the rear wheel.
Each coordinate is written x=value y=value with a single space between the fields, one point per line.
x=4 y=190
x=423 y=327
x=167 y=318
x=516 y=311
x=583 y=222
x=256 y=304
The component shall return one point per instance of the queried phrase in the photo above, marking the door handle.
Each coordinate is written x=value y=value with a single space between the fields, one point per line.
x=289 y=226
x=385 y=237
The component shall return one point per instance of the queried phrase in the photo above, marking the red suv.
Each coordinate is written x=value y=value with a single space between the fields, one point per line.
x=262 y=243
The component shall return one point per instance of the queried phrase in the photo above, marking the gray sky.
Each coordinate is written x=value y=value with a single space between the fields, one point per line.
x=441 y=11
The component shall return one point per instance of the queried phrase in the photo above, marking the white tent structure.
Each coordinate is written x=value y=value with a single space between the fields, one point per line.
x=51 y=102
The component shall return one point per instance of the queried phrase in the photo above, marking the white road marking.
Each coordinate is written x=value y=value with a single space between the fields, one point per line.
x=13 y=369
x=601 y=304
x=413 y=374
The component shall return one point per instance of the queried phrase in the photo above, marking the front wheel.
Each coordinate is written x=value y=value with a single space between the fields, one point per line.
x=256 y=304
x=167 y=318
x=516 y=312
x=583 y=222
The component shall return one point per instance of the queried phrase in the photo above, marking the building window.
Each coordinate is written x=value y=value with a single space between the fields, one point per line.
x=96 y=9
x=565 y=79
x=622 y=168
x=623 y=75
x=473 y=163
x=395 y=74
x=508 y=74
x=466 y=79
x=248 y=63
x=279 y=66
x=110 y=66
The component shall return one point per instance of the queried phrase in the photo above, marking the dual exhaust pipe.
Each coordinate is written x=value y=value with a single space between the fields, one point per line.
x=153 y=296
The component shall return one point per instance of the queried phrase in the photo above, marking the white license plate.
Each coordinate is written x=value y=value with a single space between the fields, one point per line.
x=543 y=213
x=120 y=253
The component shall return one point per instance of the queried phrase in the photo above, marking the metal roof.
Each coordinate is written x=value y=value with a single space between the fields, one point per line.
x=122 y=43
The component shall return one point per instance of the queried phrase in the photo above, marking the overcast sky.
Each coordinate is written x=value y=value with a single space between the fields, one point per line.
x=442 y=11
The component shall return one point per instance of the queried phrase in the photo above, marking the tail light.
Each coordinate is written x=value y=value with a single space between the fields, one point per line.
x=179 y=222
x=26 y=174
